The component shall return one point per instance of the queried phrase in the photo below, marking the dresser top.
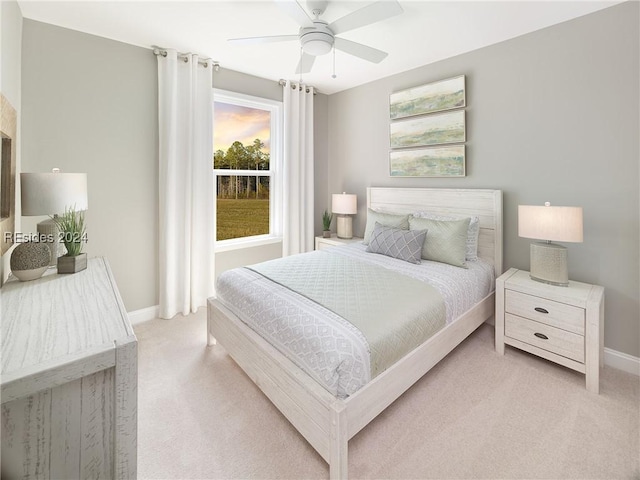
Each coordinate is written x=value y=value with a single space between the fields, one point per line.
x=60 y=315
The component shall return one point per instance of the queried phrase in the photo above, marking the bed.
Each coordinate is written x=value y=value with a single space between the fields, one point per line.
x=328 y=421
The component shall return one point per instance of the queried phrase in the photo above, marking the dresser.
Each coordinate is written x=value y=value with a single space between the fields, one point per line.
x=69 y=378
x=562 y=324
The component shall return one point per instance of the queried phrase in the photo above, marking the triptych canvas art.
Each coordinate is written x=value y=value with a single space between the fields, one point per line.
x=427 y=130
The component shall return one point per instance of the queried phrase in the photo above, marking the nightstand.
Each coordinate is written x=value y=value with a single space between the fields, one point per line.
x=561 y=324
x=322 y=242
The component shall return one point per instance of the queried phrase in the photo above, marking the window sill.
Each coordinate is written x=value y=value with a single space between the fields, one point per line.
x=229 y=245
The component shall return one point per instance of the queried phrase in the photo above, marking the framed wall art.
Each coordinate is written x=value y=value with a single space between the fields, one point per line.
x=432 y=97
x=8 y=128
x=447 y=161
x=437 y=129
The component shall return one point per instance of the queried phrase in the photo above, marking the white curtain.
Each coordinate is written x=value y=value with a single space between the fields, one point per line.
x=298 y=169
x=187 y=206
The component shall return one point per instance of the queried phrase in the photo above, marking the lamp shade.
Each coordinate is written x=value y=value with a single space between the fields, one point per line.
x=344 y=203
x=53 y=193
x=559 y=224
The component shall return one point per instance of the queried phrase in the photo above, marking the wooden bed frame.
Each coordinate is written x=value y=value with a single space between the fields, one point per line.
x=325 y=421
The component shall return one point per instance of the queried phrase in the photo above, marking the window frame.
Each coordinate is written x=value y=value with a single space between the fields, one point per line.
x=274 y=173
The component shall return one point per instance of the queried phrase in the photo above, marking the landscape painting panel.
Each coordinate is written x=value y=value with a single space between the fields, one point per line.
x=428 y=162
x=433 y=97
x=430 y=130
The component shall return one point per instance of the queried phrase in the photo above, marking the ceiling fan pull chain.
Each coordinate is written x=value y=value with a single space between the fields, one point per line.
x=334 y=62
x=300 y=75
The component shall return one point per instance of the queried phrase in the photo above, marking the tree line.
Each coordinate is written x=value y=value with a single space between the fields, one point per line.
x=241 y=157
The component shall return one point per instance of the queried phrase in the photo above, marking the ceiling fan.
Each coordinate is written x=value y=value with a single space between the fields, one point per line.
x=318 y=37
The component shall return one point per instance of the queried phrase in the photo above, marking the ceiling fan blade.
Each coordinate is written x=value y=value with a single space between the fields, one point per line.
x=373 y=13
x=295 y=11
x=259 y=40
x=306 y=63
x=359 y=50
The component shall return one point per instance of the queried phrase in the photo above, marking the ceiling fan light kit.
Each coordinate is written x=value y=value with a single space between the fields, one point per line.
x=316 y=40
x=318 y=37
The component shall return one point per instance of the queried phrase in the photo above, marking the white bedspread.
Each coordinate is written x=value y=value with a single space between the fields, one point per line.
x=461 y=288
x=326 y=346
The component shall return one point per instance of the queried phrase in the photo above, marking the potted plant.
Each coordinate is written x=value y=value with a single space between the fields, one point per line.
x=72 y=232
x=326 y=224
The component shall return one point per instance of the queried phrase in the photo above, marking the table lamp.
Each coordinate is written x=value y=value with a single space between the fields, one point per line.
x=547 y=223
x=52 y=194
x=344 y=205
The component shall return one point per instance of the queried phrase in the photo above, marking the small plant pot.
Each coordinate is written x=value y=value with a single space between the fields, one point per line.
x=72 y=264
x=326 y=234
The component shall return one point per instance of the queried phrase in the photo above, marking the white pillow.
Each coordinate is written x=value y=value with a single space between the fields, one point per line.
x=386 y=220
x=472 y=232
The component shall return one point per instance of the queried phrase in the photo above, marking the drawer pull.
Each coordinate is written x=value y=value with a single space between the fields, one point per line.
x=541 y=335
x=541 y=310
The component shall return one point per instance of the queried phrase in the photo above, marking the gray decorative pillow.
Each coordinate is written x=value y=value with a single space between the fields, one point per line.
x=447 y=240
x=472 y=233
x=393 y=242
x=384 y=219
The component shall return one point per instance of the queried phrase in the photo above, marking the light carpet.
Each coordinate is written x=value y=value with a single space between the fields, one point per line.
x=475 y=415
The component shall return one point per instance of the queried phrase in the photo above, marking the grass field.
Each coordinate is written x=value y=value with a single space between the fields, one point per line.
x=242 y=218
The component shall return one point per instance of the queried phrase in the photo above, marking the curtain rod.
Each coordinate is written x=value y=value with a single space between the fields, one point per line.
x=282 y=82
x=185 y=56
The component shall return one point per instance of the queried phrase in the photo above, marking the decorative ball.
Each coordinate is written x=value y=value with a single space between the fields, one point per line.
x=30 y=260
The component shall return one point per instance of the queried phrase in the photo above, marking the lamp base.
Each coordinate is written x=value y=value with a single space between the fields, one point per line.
x=48 y=234
x=344 y=225
x=549 y=264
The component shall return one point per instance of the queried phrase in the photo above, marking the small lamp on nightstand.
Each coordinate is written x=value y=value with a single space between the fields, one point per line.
x=344 y=205
x=560 y=224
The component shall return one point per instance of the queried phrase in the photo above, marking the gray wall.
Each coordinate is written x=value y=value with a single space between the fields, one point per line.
x=239 y=82
x=10 y=78
x=551 y=116
x=90 y=105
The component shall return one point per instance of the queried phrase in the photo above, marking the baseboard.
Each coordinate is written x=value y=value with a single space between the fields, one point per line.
x=144 y=314
x=622 y=361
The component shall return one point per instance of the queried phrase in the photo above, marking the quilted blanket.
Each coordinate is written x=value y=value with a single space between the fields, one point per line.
x=394 y=312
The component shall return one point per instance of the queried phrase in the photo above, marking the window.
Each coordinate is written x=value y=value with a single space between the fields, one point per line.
x=247 y=145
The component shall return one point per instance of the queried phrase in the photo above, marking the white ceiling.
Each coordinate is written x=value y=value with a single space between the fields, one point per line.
x=426 y=32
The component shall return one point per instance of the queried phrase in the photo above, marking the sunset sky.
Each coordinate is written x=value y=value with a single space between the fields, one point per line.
x=232 y=122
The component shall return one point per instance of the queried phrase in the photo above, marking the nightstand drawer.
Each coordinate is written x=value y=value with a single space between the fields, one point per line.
x=555 y=340
x=555 y=314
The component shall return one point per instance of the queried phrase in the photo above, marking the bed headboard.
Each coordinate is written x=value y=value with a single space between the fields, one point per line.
x=486 y=204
